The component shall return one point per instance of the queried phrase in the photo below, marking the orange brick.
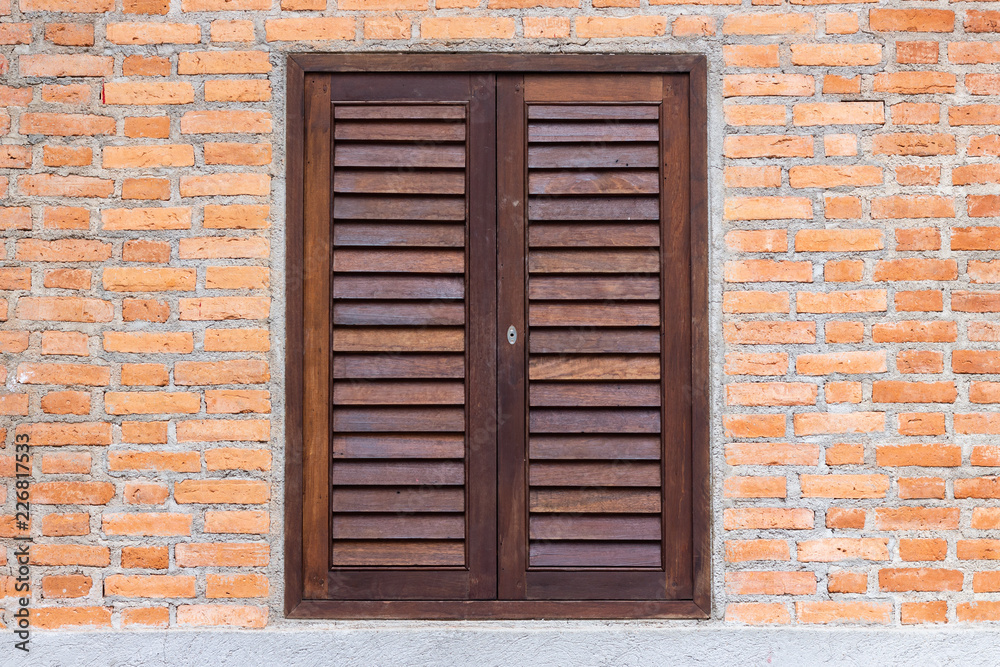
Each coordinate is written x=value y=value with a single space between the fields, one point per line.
x=917 y=518
x=913 y=144
x=795 y=85
x=757 y=613
x=534 y=27
x=739 y=551
x=845 y=454
x=836 y=549
x=770 y=583
x=146 y=558
x=142 y=493
x=847 y=582
x=840 y=144
x=765 y=270
x=840 y=362
x=841 y=23
x=154 y=461
x=750 y=56
x=236 y=586
x=756 y=364
x=150 y=617
x=838 y=113
x=977 y=549
x=756 y=114
x=843 y=392
x=836 y=55
x=226 y=615
x=769 y=24
x=922 y=53
x=771 y=454
x=66 y=586
x=62 y=525
x=844 y=486
x=754 y=487
x=926 y=550
x=210 y=491
x=48 y=618
x=911 y=20
x=767 y=519
x=227 y=554
x=774 y=146
x=816 y=423
x=845 y=519
x=70 y=34
x=149 y=586
x=242 y=522
x=921 y=487
x=914 y=331
x=842 y=208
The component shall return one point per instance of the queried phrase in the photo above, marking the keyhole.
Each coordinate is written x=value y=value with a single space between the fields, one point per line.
x=511 y=334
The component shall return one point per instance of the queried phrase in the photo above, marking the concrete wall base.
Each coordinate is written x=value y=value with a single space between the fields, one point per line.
x=511 y=645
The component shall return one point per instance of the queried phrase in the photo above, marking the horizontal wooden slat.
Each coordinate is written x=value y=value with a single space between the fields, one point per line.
x=595 y=501
x=399 y=527
x=593 y=261
x=398 y=287
x=594 y=420
x=399 y=111
x=613 y=527
x=591 y=208
x=412 y=366
x=398 y=473
x=374 y=207
x=584 y=235
x=615 y=182
x=398 y=419
x=608 y=367
x=596 y=315
x=590 y=87
x=594 y=394
x=592 y=112
x=595 y=473
x=595 y=554
x=389 y=446
x=609 y=341
x=594 y=131
x=397 y=499
x=420 y=313
x=435 y=156
x=399 y=182
x=398 y=553
x=398 y=130
x=398 y=339
x=445 y=235
x=593 y=288
x=615 y=156
x=399 y=260
x=398 y=393
x=573 y=447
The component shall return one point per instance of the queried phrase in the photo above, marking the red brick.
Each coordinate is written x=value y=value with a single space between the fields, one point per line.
x=843 y=548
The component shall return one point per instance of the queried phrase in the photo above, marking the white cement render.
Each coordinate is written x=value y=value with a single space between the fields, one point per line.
x=535 y=644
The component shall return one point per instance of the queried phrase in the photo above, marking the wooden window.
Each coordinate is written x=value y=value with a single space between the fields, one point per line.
x=497 y=402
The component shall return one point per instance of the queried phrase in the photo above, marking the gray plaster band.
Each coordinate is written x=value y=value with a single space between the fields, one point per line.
x=513 y=644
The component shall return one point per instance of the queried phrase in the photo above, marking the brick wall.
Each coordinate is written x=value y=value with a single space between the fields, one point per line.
x=140 y=343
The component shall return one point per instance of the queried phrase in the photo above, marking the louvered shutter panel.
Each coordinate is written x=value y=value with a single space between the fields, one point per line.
x=412 y=455
x=600 y=460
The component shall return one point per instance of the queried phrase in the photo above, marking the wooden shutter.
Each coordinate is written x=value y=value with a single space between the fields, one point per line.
x=496 y=344
x=409 y=511
x=600 y=460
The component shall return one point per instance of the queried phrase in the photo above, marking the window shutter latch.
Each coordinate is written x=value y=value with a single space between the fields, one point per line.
x=511 y=334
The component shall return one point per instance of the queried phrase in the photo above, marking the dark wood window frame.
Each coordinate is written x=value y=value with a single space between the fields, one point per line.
x=299 y=603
